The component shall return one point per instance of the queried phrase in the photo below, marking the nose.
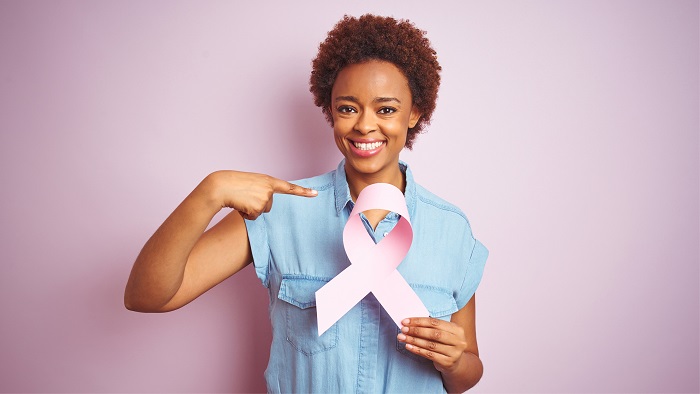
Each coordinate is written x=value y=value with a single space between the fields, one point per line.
x=366 y=122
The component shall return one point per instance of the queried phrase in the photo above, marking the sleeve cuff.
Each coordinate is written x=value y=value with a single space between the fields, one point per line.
x=260 y=247
x=475 y=270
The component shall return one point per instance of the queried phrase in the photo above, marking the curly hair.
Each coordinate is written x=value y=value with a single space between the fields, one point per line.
x=370 y=37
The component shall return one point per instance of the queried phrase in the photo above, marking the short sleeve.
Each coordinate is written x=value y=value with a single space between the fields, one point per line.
x=260 y=247
x=475 y=270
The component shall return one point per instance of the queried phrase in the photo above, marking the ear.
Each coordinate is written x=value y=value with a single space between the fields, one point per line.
x=414 y=117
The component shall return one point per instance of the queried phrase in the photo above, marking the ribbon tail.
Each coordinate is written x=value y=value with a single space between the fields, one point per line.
x=398 y=299
x=338 y=296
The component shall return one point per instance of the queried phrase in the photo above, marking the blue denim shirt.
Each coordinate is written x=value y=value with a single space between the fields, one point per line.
x=298 y=247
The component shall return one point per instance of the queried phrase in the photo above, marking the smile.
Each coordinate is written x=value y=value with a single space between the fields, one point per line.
x=367 y=146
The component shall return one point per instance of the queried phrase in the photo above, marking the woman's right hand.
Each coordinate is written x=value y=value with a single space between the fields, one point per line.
x=181 y=261
x=249 y=193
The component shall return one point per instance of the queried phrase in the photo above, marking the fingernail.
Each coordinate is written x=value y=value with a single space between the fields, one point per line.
x=404 y=329
x=314 y=192
x=402 y=337
x=405 y=321
x=409 y=346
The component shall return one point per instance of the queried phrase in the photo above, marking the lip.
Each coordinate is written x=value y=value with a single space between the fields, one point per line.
x=365 y=153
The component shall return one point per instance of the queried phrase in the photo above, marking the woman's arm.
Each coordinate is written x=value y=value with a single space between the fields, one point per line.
x=181 y=261
x=450 y=345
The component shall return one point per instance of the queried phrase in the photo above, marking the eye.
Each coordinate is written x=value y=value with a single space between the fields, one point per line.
x=386 y=111
x=346 y=109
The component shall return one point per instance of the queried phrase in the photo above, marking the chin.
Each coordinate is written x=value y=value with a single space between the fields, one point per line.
x=365 y=166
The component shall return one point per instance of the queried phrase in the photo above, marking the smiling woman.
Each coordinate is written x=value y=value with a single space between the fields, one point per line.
x=376 y=80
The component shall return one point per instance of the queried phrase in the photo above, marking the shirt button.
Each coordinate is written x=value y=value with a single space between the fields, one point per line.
x=386 y=233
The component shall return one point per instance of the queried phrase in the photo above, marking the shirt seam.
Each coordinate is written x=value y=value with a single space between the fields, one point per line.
x=444 y=207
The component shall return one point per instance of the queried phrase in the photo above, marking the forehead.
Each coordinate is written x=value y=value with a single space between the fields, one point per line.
x=374 y=78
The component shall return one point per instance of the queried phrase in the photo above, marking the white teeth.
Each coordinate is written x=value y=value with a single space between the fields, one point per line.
x=365 y=146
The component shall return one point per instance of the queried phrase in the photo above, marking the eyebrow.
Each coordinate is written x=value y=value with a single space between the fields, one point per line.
x=376 y=100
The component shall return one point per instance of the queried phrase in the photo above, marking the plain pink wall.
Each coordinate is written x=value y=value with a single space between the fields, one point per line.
x=566 y=130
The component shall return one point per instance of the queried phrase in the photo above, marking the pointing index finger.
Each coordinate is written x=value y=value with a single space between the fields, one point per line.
x=284 y=187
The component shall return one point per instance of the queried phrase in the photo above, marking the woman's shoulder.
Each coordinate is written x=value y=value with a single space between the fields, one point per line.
x=437 y=204
x=288 y=206
x=319 y=183
x=435 y=209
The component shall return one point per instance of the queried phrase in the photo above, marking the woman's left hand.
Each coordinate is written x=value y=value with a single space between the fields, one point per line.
x=441 y=342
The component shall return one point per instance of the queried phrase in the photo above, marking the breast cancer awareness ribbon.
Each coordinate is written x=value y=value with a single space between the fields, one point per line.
x=373 y=266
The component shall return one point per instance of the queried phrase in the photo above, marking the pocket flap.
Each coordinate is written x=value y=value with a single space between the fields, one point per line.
x=300 y=291
x=439 y=301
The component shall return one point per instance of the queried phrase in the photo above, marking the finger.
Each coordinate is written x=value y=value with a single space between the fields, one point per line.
x=430 y=322
x=444 y=356
x=429 y=354
x=430 y=334
x=284 y=187
x=426 y=344
x=247 y=216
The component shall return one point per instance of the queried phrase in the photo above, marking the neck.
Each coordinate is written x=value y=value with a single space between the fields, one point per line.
x=358 y=181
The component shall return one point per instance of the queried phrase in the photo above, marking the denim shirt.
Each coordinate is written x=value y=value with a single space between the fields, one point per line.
x=298 y=247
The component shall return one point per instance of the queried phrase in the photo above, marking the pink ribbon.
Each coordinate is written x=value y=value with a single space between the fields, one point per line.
x=373 y=266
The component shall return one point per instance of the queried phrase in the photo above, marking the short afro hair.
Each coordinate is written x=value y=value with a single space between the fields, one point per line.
x=370 y=37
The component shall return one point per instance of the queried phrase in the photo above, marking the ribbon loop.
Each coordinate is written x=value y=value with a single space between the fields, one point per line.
x=373 y=266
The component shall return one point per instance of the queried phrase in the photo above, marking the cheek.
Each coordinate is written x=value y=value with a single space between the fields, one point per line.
x=337 y=128
x=341 y=125
x=338 y=135
x=400 y=131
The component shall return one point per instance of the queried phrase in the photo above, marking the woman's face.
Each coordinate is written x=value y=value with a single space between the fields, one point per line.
x=372 y=110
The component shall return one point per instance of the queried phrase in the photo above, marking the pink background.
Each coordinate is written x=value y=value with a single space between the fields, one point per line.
x=566 y=130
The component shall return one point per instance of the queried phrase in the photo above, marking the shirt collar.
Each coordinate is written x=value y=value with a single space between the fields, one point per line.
x=342 y=190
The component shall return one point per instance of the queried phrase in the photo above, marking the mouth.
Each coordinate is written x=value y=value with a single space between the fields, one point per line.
x=367 y=146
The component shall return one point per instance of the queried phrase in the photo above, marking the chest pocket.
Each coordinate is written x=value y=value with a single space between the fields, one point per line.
x=440 y=303
x=298 y=293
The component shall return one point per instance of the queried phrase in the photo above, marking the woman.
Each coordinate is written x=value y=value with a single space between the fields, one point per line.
x=376 y=80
